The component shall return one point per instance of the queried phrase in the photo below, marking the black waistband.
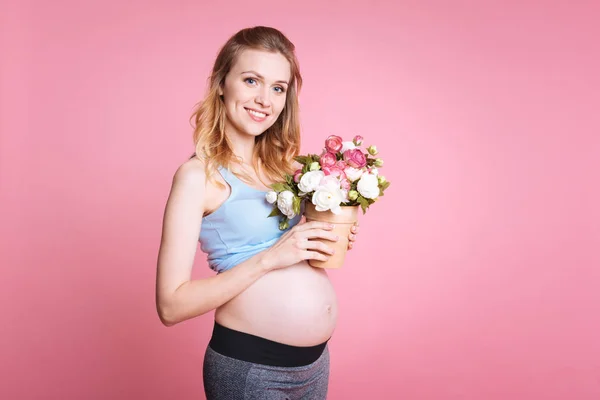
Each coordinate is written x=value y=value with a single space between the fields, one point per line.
x=258 y=350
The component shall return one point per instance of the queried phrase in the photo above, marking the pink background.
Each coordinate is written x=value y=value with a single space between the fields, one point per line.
x=476 y=277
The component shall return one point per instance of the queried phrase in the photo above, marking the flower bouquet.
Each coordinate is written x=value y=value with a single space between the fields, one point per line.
x=333 y=185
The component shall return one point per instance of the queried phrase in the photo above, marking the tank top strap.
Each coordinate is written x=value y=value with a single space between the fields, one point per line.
x=227 y=176
x=237 y=184
x=224 y=173
x=234 y=182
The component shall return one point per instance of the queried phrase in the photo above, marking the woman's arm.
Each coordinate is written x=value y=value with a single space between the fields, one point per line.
x=179 y=298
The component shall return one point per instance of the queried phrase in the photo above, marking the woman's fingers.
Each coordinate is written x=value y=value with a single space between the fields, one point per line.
x=313 y=225
x=315 y=255
x=352 y=236
x=320 y=234
x=314 y=244
x=306 y=244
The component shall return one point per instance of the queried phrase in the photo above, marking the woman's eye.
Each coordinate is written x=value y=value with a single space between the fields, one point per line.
x=252 y=81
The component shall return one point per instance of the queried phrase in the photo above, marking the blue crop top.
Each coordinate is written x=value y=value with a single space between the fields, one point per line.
x=240 y=227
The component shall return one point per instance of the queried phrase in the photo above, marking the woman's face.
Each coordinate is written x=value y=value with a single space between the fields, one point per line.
x=254 y=91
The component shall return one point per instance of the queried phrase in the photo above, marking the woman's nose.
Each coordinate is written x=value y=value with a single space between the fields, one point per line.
x=263 y=98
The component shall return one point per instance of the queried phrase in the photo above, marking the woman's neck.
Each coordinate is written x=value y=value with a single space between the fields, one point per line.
x=242 y=145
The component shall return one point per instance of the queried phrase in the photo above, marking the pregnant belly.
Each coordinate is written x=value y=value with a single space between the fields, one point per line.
x=295 y=305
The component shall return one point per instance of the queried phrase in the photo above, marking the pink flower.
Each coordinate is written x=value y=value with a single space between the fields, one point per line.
x=333 y=143
x=335 y=172
x=327 y=160
x=341 y=165
x=358 y=140
x=329 y=180
x=297 y=175
x=345 y=183
x=353 y=174
x=355 y=158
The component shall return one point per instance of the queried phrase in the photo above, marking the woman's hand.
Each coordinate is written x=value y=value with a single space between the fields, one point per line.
x=352 y=236
x=294 y=245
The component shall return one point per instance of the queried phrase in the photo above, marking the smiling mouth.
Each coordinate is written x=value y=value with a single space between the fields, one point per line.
x=257 y=114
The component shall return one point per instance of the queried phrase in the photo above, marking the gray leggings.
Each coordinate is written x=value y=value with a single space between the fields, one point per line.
x=227 y=378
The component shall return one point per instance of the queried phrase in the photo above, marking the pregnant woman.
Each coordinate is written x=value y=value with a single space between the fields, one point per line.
x=274 y=313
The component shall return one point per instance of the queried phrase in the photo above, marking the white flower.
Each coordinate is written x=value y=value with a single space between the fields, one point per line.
x=353 y=174
x=271 y=197
x=374 y=171
x=345 y=198
x=328 y=195
x=347 y=146
x=330 y=180
x=285 y=203
x=310 y=181
x=368 y=186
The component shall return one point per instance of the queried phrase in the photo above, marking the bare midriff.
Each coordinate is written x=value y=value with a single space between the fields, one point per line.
x=295 y=305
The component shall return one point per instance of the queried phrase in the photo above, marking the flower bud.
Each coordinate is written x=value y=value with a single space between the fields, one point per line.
x=372 y=150
x=357 y=140
x=271 y=197
x=283 y=225
x=381 y=179
x=314 y=166
x=353 y=195
x=378 y=162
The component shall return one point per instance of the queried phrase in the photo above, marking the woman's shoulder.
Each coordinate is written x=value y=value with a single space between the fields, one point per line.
x=192 y=176
x=191 y=172
x=191 y=180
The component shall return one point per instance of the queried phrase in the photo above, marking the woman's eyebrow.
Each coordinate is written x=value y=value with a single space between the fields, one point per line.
x=262 y=77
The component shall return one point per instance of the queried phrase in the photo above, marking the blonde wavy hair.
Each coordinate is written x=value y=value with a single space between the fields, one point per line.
x=275 y=148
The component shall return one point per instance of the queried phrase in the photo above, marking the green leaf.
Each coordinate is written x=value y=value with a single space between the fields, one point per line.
x=284 y=224
x=385 y=185
x=289 y=179
x=303 y=159
x=364 y=203
x=279 y=187
x=275 y=212
x=296 y=205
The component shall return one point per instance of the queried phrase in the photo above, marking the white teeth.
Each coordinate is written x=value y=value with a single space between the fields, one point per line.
x=257 y=114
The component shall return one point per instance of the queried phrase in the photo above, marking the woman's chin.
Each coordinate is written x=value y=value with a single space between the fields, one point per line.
x=256 y=131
